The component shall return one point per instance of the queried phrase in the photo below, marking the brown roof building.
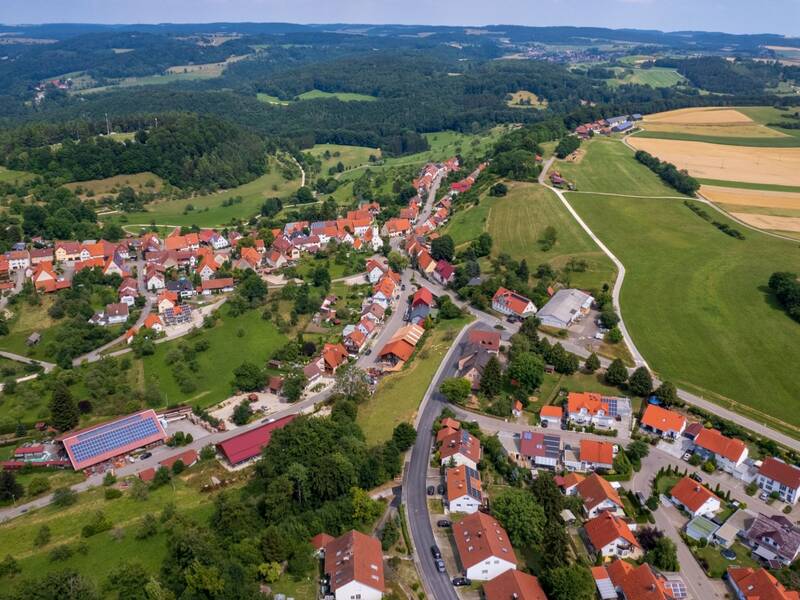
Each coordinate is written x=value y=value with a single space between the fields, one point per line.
x=353 y=562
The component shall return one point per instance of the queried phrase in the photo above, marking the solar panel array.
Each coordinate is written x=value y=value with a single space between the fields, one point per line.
x=612 y=406
x=552 y=446
x=113 y=436
x=677 y=588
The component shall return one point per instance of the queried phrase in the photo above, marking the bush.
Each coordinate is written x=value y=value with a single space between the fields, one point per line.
x=98 y=524
x=709 y=466
x=38 y=485
x=112 y=493
x=60 y=553
x=64 y=496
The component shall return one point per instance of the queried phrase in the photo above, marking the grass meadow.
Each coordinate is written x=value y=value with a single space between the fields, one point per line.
x=11 y=176
x=696 y=303
x=349 y=156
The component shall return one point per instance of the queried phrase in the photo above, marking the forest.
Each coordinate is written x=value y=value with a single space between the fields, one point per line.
x=715 y=74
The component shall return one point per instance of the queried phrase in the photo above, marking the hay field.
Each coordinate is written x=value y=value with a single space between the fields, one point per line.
x=140 y=182
x=699 y=116
x=526 y=99
x=717 y=161
x=769 y=222
x=709 y=122
x=743 y=197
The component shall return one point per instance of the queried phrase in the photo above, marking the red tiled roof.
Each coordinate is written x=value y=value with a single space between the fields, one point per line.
x=249 y=444
x=334 y=355
x=760 y=584
x=147 y=474
x=662 y=419
x=691 y=493
x=187 y=457
x=399 y=348
x=513 y=584
x=777 y=470
x=354 y=557
x=321 y=540
x=593 y=403
x=595 y=489
x=569 y=480
x=461 y=442
x=459 y=482
x=637 y=583
x=515 y=302
x=713 y=441
x=485 y=339
x=597 y=452
x=422 y=295
x=217 y=284
x=478 y=537
x=549 y=410
x=606 y=528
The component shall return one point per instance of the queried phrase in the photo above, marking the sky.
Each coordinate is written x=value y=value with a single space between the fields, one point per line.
x=732 y=16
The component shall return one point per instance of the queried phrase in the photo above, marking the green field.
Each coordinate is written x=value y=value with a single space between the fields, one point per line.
x=267 y=99
x=227 y=351
x=208 y=210
x=608 y=166
x=656 y=77
x=750 y=186
x=349 y=156
x=770 y=114
x=516 y=223
x=695 y=302
x=10 y=176
x=343 y=96
x=577 y=382
x=467 y=224
x=751 y=142
x=398 y=395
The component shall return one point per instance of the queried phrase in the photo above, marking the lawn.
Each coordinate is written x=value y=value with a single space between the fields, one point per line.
x=10 y=176
x=608 y=166
x=349 y=156
x=343 y=96
x=526 y=99
x=267 y=99
x=577 y=382
x=517 y=221
x=259 y=339
x=467 y=224
x=718 y=565
x=208 y=211
x=696 y=304
x=103 y=551
x=398 y=395
x=770 y=114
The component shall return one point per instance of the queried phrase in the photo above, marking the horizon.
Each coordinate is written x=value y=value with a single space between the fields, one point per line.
x=780 y=17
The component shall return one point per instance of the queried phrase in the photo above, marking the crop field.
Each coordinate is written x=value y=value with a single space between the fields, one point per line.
x=608 y=166
x=140 y=182
x=232 y=341
x=696 y=304
x=208 y=211
x=699 y=116
x=517 y=221
x=744 y=185
x=530 y=100
x=769 y=222
x=349 y=156
x=746 y=197
x=715 y=161
x=785 y=141
x=343 y=96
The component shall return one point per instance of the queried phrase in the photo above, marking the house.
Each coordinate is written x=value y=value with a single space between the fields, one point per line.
x=154 y=322
x=733 y=528
x=312 y=372
x=166 y=300
x=444 y=272
x=421 y=304
x=487 y=340
x=694 y=498
x=40 y=255
x=426 y=263
x=511 y=303
x=249 y=259
x=484 y=549
x=727 y=452
x=663 y=422
x=67 y=251
x=275 y=260
x=460 y=448
x=464 y=493
x=206 y=269
x=565 y=308
x=514 y=584
x=594 y=455
x=333 y=357
x=588 y=408
x=776 y=476
x=354 y=341
x=599 y=496
x=128 y=291
x=18 y=259
x=748 y=583
x=568 y=484
x=383 y=291
x=395 y=227
x=354 y=567
x=471 y=366
x=621 y=579
x=182 y=286
x=375 y=270
x=541 y=449
x=611 y=537
x=115 y=266
x=42 y=273
x=117 y=313
x=773 y=538
x=248 y=445
x=275 y=384
x=154 y=278
x=400 y=348
x=551 y=416
x=29 y=453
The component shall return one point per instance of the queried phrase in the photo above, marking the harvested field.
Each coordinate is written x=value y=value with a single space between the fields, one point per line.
x=742 y=197
x=716 y=161
x=770 y=222
x=699 y=116
x=747 y=130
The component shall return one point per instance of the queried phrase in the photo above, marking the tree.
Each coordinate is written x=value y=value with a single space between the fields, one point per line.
x=521 y=516
x=293 y=386
x=242 y=413
x=397 y=262
x=548 y=239
x=526 y=370
x=491 y=378
x=63 y=411
x=321 y=278
x=252 y=288
x=648 y=537
x=592 y=363
x=38 y=485
x=270 y=572
x=667 y=393
x=125 y=581
x=664 y=555
x=42 y=536
x=352 y=382
x=567 y=145
x=64 y=496
x=390 y=534
x=248 y=377
x=147 y=528
x=443 y=248
x=456 y=389
x=162 y=477
x=574 y=582
x=449 y=309
x=640 y=382
x=498 y=189
x=404 y=436
x=10 y=488
x=109 y=478
x=9 y=566
x=617 y=373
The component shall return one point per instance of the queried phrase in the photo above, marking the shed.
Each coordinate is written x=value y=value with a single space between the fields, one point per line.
x=34 y=338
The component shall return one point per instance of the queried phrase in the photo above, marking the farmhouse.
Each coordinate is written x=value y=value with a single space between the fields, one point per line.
x=354 y=567
x=610 y=536
x=694 y=498
x=511 y=303
x=542 y=450
x=216 y=286
x=375 y=270
x=460 y=448
x=464 y=493
x=778 y=476
x=728 y=453
x=483 y=547
x=514 y=584
x=663 y=422
x=247 y=446
x=598 y=496
x=565 y=308
x=748 y=583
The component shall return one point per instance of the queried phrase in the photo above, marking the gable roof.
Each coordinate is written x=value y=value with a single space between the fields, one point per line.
x=461 y=442
x=760 y=584
x=321 y=540
x=513 y=584
x=606 y=528
x=354 y=557
x=334 y=355
x=551 y=411
x=461 y=481
x=638 y=583
x=249 y=444
x=517 y=303
x=784 y=534
x=594 y=490
x=399 y=348
x=422 y=295
x=485 y=339
x=445 y=269
x=589 y=401
x=691 y=493
x=713 y=441
x=478 y=537
x=782 y=472
x=569 y=480
x=663 y=419
x=597 y=452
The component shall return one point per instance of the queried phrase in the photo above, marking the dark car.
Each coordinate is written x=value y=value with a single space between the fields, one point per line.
x=440 y=488
x=443 y=523
x=728 y=554
x=436 y=552
x=696 y=477
x=431 y=490
x=145 y=455
x=440 y=565
x=459 y=581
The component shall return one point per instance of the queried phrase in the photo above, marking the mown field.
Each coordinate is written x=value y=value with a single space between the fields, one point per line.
x=748 y=185
x=349 y=156
x=517 y=221
x=343 y=96
x=656 y=77
x=696 y=303
x=608 y=166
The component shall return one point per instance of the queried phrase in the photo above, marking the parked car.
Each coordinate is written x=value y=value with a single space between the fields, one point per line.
x=687 y=456
x=728 y=554
x=440 y=488
x=696 y=477
x=459 y=581
x=145 y=455
x=436 y=552
x=763 y=496
x=440 y=565
x=443 y=523
x=431 y=490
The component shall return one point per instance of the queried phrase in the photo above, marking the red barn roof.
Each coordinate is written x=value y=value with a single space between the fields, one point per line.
x=249 y=444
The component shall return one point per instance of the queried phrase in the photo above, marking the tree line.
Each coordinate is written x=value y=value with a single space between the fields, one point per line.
x=669 y=173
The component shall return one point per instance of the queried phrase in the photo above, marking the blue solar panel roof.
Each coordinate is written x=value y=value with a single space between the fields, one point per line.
x=112 y=436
